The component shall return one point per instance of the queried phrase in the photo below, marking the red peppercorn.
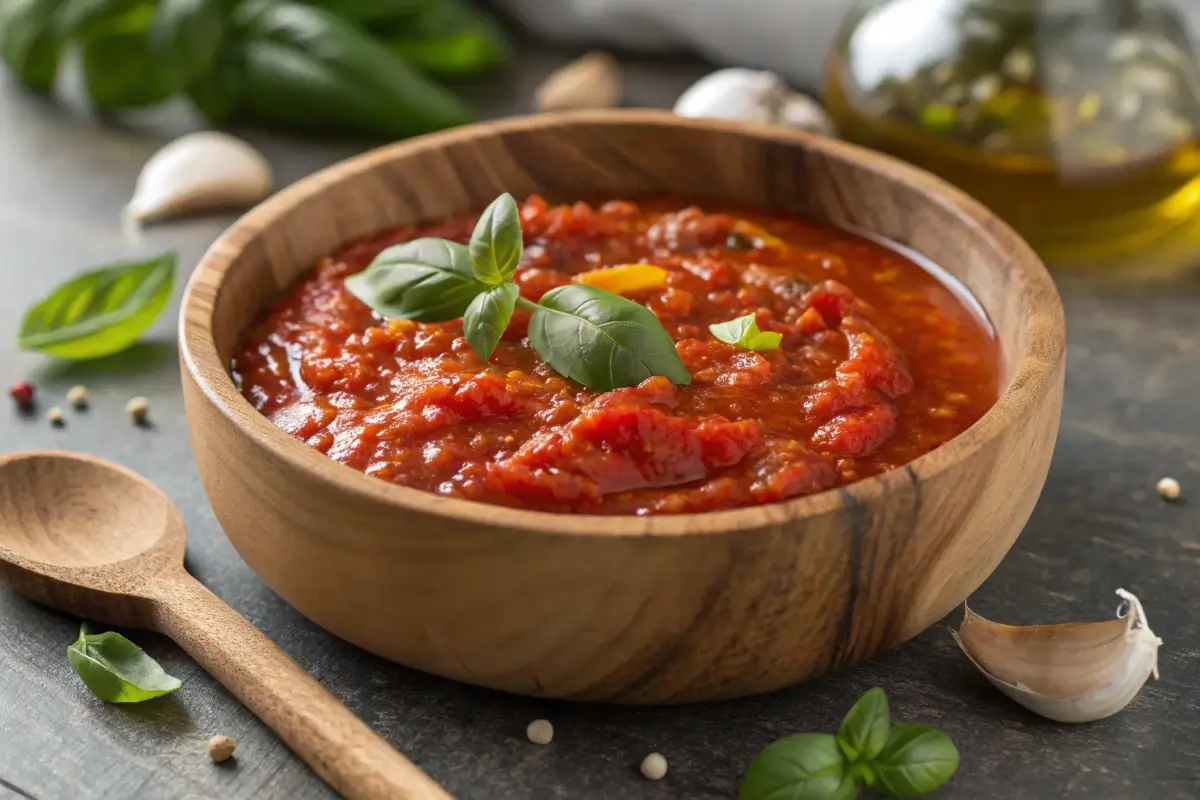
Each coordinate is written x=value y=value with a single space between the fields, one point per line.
x=22 y=393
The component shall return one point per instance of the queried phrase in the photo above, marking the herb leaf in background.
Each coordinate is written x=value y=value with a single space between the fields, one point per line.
x=744 y=332
x=601 y=339
x=916 y=760
x=306 y=69
x=487 y=317
x=496 y=242
x=864 y=731
x=117 y=670
x=428 y=280
x=447 y=37
x=29 y=41
x=85 y=18
x=100 y=312
x=806 y=766
x=186 y=36
x=372 y=11
x=121 y=71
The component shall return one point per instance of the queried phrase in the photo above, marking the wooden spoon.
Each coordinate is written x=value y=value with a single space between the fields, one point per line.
x=98 y=541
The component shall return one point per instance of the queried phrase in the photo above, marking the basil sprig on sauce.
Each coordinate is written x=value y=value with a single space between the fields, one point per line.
x=116 y=670
x=744 y=332
x=600 y=339
x=902 y=760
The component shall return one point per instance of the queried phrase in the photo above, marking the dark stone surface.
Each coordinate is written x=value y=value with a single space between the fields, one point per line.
x=1131 y=417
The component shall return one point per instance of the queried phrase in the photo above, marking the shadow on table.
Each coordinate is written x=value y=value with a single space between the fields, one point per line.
x=142 y=358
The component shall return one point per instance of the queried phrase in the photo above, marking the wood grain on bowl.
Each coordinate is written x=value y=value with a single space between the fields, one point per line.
x=625 y=609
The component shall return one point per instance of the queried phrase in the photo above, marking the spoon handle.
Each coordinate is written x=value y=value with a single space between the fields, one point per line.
x=339 y=746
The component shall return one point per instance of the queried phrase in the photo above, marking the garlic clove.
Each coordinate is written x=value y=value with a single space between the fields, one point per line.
x=1069 y=672
x=803 y=112
x=734 y=93
x=591 y=81
x=750 y=95
x=202 y=171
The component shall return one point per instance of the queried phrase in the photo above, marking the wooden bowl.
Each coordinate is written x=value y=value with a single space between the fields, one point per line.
x=657 y=609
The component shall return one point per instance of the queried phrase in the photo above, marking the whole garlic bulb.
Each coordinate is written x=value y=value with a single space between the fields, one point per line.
x=750 y=95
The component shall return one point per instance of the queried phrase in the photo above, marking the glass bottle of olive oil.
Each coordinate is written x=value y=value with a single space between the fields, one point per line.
x=1077 y=121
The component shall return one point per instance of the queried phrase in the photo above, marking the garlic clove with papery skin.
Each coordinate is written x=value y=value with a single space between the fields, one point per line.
x=203 y=171
x=1070 y=672
x=749 y=95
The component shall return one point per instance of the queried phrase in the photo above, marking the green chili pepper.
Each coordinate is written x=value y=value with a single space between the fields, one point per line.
x=304 y=68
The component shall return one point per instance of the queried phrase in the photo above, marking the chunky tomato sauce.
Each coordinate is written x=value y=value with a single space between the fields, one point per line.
x=879 y=363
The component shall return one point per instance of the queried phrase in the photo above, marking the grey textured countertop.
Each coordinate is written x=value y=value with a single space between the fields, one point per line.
x=1131 y=416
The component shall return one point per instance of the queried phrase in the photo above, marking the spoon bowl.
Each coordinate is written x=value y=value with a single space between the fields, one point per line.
x=82 y=534
x=96 y=540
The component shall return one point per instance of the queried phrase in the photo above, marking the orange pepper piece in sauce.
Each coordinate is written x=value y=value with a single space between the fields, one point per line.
x=756 y=234
x=625 y=278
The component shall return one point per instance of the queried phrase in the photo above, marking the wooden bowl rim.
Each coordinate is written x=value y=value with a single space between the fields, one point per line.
x=1035 y=373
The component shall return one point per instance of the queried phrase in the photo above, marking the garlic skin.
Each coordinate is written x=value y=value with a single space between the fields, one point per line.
x=202 y=171
x=1070 y=672
x=590 y=81
x=749 y=95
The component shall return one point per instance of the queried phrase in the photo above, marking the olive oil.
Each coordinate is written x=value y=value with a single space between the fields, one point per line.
x=1079 y=128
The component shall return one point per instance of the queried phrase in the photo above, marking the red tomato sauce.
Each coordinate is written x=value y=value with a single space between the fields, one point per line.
x=879 y=363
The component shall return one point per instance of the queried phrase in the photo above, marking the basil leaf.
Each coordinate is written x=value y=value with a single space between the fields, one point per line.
x=117 y=670
x=488 y=316
x=372 y=11
x=864 y=731
x=214 y=92
x=602 y=340
x=806 y=766
x=121 y=70
x=84 y=18
x=428 y=280
x=306 y=69
x=449 y=37
x=744 y=332
x=186 y=36
x=100 y=312
x=497 y=241
x=29 y=42
x=916 y=760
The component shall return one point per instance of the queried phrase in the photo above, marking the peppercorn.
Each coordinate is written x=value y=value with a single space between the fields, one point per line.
x=138 y=408
x=220 y=748
x=22 y=393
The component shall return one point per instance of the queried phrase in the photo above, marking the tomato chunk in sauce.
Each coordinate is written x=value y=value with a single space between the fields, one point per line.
x=878 y=364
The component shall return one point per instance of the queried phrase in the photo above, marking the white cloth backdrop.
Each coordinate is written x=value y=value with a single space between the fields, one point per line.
x=790 y=37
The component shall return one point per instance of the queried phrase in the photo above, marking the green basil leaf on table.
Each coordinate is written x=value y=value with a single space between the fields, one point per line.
x=864 y=731
x=806 y=766
x=305 y=68
x=487 y=317
x=84 y=18
x=916 y=760
x=116 y=670
x=601 y=339
x=497 y=241
x=428 y=280
x=29 y=41
x=448 y=37
x=186 y=35
x=100 y=312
